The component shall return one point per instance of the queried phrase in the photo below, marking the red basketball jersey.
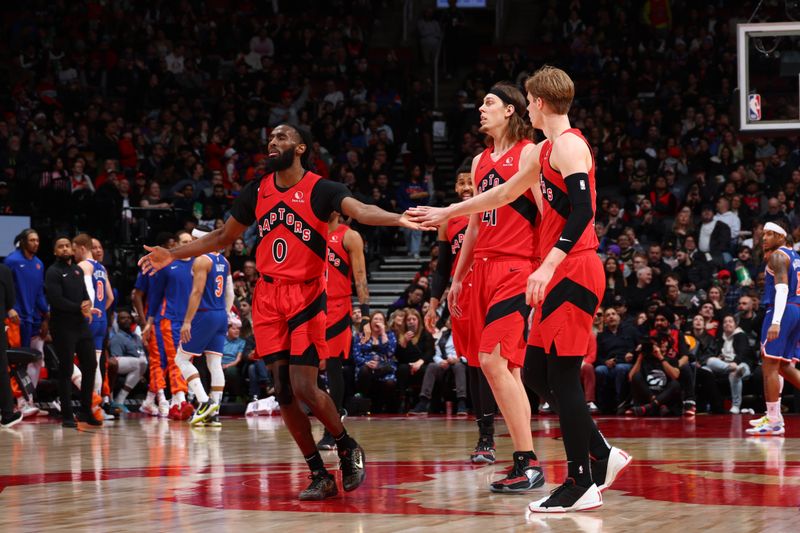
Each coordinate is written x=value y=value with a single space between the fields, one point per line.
x=456 y=227
x=556 y=206
x=508 y=231
x=338 y=265
x=292 y=241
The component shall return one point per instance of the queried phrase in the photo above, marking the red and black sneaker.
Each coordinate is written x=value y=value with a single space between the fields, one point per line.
x=483 y=452
x=524 y=476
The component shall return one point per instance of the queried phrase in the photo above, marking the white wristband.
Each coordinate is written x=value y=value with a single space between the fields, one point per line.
x=781 y=295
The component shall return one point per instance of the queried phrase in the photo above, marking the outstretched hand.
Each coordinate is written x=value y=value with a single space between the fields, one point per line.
x=428 y=217
x=157 y=259
x=407 y=222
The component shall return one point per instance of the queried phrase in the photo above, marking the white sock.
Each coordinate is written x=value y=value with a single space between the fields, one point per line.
x=214 y=361
x=183 y=360
x=774 y=412
x=151 y=396
x=161 y=397
x=179 y=397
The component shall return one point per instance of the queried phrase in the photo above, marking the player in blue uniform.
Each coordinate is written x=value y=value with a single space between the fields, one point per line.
x=203 y=332
x=97 y=285
x=155 y=403
x=31 y=325
x=166 y=306
x=780 y=332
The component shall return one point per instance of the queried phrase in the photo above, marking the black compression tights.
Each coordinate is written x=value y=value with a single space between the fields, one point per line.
x=557 y=381
x=483 y=402
x=333 y=368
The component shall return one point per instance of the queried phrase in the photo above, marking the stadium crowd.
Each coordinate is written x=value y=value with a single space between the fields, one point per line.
x=126 y=122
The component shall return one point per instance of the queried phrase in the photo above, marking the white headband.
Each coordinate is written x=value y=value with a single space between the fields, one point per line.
x=771 y=226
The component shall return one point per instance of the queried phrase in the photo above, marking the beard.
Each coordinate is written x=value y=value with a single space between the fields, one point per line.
x=282 y=162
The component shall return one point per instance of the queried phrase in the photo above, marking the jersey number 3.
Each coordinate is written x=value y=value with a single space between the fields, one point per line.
x=100 y=291
x=219 y=283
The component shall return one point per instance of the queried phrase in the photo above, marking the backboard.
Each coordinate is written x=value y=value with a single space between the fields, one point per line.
x=768 y=56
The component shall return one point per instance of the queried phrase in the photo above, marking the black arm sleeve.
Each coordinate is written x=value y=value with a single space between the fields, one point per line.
x=244 y=207
x=327 y=197
x=442 y=273
x=580 y=215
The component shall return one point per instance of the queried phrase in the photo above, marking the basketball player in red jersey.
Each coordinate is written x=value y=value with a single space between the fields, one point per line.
x=346 y=265
x=500 y=244
x=565 y=289
x=450 y=239
x=291 y=207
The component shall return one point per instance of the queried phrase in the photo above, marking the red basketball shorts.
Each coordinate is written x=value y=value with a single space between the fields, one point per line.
x=338 y=334
x=289 y=321
x=564 y=320
x=461 y=329
x=498 y=313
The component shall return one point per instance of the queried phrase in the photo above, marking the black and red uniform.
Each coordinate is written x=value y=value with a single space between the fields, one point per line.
x=289 y=302
x=340 y=292
x=503 y=256
x=564 y=319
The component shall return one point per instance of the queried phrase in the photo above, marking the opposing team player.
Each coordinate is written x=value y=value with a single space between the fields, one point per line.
x=99 y=289
x=31 y=324
x=450 y=239
x=781 y=330
x=155 y=402
x=203 y=331
x=292 y=206
x=166 y=306
x=346 y=265
x=566 y=288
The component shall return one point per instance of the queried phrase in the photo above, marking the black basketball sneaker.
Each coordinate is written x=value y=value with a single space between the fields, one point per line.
x=568 y=497
x=327 y=442
x=323 y=485
x=483 y=452
x=525 y=475
x=352 y=463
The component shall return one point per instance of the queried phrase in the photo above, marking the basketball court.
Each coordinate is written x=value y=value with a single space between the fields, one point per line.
x=690 y=474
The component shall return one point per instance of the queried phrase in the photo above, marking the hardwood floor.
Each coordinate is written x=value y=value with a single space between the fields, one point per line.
x=145 y=474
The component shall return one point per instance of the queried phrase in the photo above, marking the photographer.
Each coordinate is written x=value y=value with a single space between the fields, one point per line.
x=654 y=379
x=375 y=363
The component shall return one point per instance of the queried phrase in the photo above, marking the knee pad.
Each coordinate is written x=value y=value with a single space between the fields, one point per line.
x=184 y=363
x=214 y=362
x=283 y=387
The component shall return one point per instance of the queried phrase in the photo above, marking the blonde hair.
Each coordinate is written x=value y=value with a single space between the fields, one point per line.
x=518 y=126
x=554 y=86
x=398 y=331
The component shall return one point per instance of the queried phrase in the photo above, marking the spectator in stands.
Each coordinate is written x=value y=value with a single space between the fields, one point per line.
x=615 y=349
x=615 y=280
x=376 y=367
x=413 y=298
x=715 y=235
x=446 y=361
x=735 y=359
x=232 y=354
x=127 y=357
x=701 y=347
x=411 y=193
x=750 y=319
x=677 y=349
x=644 y=289
x=415 y=350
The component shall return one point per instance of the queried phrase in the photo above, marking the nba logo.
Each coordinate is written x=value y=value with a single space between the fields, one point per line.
x=754 y=106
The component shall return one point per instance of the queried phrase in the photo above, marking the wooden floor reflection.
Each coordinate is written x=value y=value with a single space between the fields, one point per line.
x=145 y=474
